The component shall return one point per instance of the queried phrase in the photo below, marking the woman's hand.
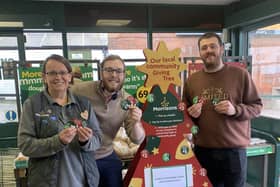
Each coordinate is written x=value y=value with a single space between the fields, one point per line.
x=67 y=135
x=84 y=134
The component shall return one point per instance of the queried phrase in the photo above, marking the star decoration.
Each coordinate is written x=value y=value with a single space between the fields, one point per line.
x=162 y=67
x=128 y=72
x=205 y=184
x=155 y=151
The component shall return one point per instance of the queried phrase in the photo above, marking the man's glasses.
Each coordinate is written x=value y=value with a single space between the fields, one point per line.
x=111 y=70
x=55 y=73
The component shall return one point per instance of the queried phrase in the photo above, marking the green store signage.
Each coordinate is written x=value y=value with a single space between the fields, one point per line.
x=260 y=150
x=133 y=80
x=87 y=73
x=31 y=80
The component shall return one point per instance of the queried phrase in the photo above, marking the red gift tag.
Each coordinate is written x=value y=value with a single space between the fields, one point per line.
x=78 y=123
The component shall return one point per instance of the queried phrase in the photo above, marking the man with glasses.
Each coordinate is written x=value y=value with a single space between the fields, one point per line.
x=106 y=96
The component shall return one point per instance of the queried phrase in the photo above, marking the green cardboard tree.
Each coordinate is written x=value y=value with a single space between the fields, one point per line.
x=165 y=158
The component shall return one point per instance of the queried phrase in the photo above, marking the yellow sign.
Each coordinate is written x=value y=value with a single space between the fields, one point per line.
x=142 y=93
x=162 y=67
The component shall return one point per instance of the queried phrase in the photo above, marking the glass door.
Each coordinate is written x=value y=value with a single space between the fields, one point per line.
x=11 y=56
x=10 y=59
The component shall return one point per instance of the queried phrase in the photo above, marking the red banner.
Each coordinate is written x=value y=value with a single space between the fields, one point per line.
x=194 y=67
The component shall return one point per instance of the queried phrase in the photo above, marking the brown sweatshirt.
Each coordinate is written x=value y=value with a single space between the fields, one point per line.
x=230 y=83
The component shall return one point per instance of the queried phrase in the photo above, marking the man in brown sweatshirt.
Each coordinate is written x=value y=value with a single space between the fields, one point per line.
x=221 y=99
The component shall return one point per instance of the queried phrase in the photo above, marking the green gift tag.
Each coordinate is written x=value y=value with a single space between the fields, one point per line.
x=215 y=101
x=125 y=104
x=69 y=124
x=194 y=129
x=150 y=98
x=166 y=157
x=84 y=123
x=195 y=100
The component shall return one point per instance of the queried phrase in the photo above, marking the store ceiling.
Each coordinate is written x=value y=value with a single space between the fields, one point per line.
x=183 y=2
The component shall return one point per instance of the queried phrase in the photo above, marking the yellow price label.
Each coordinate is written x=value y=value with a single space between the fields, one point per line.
x=142 y=93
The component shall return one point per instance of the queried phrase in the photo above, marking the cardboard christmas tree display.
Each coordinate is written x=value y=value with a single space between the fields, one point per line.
x=165 y=158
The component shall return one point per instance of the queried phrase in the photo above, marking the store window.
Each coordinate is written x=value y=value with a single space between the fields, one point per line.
x=98 y=45
x=129 y=46
x=264 y=47
x=40 y=45
x=187 y=42
x=8 y=63
x=91 y=48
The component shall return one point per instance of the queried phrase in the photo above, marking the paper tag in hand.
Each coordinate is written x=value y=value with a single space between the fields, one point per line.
x=84 y=115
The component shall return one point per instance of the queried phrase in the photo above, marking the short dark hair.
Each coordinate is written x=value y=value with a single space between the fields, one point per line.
x=111 y=57
x=210 y=35
x=58 y=58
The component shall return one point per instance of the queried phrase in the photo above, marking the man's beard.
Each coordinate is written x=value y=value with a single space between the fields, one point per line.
x=112 y=89
x=211 y=64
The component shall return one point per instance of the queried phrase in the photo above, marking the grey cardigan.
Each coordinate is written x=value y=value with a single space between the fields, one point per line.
x=41 y=121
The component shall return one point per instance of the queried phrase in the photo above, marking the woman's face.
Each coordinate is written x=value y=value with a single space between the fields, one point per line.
x=57 y=77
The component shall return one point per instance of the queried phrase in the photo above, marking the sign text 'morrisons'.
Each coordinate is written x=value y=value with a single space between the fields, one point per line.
x=168 y=108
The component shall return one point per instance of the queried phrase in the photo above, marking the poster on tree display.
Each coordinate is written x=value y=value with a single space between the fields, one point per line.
x=165 y=158
x=30 y=80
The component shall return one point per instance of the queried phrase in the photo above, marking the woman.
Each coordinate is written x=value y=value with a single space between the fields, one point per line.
x=59 y=132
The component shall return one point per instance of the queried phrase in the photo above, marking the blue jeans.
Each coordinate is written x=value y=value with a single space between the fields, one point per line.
x=225 y=167
x=110 y=169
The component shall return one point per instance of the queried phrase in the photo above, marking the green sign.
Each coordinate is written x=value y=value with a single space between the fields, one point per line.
x=134 y=79
x=83 y=73
x=163 y=111
x=260 y=150
x=30 y=82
